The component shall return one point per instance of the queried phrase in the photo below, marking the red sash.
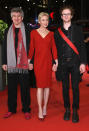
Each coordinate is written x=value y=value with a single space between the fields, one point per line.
x=68 y=41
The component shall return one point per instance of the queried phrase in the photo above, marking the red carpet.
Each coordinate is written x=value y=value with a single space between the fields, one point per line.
x=54 y=120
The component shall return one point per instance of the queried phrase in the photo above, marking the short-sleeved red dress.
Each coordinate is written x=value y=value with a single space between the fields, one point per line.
x=44 y=50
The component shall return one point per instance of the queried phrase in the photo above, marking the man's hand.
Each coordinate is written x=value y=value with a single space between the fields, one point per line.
x=4 y=67
x=82 y=68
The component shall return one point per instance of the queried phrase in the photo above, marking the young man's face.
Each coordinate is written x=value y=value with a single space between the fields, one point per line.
x=17 y=18
x=66 y=15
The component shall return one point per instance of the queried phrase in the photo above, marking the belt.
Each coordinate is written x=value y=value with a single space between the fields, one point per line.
x=68 y=59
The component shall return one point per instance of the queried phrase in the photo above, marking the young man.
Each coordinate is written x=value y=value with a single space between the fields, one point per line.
x=15 y=62
x=72 y=59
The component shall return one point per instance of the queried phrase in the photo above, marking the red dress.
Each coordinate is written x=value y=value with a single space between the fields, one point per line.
x=43 y=50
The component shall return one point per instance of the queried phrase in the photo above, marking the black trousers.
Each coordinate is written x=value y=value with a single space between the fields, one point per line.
x=23 y=80
x=72 y=69
x=32 y=79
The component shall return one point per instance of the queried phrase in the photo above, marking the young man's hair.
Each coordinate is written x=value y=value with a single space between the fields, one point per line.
x=17 y=9
x=67 y=7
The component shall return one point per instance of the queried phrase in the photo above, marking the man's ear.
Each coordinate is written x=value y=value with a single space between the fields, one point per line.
x=72 y=16
x=61 y=16
x=22 y=18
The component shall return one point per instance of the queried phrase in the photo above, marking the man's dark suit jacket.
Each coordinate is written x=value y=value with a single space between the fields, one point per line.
x=77 y=40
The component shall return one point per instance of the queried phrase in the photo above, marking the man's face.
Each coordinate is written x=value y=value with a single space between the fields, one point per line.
x=66 y=15
x=17 y=18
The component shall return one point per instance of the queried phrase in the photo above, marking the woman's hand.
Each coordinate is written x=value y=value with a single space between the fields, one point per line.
x=54 y=68
x=30 y=66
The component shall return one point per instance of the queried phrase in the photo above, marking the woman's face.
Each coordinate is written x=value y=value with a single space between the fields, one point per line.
x=44 y=21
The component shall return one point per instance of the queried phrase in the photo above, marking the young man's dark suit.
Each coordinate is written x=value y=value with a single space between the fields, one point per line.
x=69 y=62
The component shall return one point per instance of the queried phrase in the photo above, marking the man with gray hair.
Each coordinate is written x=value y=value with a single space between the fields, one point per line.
x=15 y=62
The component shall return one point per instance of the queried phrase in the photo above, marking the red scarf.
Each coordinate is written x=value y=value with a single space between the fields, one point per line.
x=22 y=61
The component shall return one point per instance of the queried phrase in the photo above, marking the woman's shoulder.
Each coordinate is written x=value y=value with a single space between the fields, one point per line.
x=33 y=30
x=51 y=32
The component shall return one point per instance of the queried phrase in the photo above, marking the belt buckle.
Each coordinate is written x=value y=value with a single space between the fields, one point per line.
x=68 y=59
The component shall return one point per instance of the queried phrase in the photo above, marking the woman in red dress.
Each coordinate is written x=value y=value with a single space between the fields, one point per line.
x=43 y=47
